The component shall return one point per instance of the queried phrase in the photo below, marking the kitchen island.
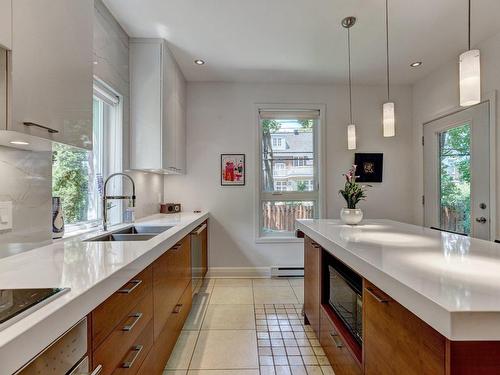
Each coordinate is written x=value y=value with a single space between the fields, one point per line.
x=430 y=299
x=94 y=272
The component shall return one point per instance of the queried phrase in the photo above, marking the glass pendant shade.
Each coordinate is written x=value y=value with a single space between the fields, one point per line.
x=470 y=78
x=351 y=137
x=388 y=120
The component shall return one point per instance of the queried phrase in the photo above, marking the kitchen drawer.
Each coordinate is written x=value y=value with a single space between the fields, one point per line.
x=166 y=339
x=341 y=359
x=398 y=342
x=114 y=349
x=108 y=314
x=137 y=352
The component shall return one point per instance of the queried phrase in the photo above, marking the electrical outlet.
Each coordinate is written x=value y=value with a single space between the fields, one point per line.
x=5 y=216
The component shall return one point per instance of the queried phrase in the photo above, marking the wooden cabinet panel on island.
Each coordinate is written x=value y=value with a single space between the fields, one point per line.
x=157 y=108
x=396 y=341
x=312 y=283
x=51 y=70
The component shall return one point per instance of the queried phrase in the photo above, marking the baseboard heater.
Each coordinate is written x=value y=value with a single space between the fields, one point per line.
x=287 y=271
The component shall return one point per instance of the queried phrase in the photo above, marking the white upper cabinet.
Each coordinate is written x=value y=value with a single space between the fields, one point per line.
x=51 y=70
x=6 y=24
x=157 y=108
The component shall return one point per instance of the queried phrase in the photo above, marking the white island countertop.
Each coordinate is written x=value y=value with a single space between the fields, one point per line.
x=93 y=271
x=450 y=281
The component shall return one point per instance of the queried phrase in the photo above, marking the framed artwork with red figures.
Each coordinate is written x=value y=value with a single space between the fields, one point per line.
x=232 y=169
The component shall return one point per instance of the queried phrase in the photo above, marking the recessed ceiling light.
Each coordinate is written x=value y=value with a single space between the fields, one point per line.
x=199 y=62
x=23 y=143
x=416 y=64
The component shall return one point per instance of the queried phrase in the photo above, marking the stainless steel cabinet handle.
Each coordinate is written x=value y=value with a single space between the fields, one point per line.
x=136 y=283
x=97 y=370
x=177 y=309
x=481 y=219
x=137 y=349
x=137 y=317
x=198 y=230
x=336 y=340
x=378 y=298
x=50 y=130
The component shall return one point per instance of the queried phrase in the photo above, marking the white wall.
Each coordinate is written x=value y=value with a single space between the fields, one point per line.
x=438 y=94
x=221 y=119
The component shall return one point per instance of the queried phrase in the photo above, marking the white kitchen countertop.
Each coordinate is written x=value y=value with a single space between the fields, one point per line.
x=450 y=281
x=93 y=271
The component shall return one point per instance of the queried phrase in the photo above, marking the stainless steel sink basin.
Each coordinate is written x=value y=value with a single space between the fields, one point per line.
x=133 y=233
x=123 y=237
x=143 y=229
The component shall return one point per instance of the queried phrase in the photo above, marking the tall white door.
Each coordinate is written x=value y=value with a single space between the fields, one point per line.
x=457 y=172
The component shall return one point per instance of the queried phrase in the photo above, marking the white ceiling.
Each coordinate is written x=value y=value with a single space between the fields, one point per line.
x=302 y=41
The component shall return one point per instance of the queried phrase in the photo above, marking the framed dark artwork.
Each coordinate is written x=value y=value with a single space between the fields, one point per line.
x=369 y=167
x=232 y=169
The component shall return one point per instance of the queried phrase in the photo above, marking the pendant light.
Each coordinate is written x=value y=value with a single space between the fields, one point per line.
x=388 y=120
x=470 y=73
x=347 y=23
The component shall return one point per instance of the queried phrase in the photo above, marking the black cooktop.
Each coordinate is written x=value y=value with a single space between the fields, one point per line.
x=17 y=303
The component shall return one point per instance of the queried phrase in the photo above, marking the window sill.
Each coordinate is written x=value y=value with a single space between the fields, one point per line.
x=278 y=240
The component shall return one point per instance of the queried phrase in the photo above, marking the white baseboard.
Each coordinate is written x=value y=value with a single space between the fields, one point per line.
x=239 y=272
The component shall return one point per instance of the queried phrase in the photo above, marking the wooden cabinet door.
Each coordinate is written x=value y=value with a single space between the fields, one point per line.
x=171 y=276
x=164 y=293
x=6 y=24
x=395 y=341
x=312 y=279
x=51 y=72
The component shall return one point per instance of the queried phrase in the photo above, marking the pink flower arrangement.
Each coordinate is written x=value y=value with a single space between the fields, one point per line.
x=353 y=192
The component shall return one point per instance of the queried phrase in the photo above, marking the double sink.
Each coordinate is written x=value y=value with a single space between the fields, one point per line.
x=133 y=233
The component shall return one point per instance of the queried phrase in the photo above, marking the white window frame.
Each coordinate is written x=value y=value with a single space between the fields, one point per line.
x=108 y=95
x=320 y=167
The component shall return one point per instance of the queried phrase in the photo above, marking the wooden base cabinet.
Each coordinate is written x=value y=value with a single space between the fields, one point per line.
x=135 y=330
x=312 y=283
x=396 y=341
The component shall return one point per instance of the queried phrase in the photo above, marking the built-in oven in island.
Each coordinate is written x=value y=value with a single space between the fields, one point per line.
x=343 y=291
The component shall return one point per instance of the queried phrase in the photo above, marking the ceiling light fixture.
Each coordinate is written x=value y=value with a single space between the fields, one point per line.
x=388 y=118
x=470 y=72
x=199 y=62
x=347 y=23
x=416 y=64
x=22 y=143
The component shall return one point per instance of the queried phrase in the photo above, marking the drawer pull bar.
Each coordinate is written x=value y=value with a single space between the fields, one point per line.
x=198 y=230
x=137 y=349
x=50 y=130
x=97 y=370
x=135 y=283
x=378 y=298
x=177 y=309
x=336 y=340
x=137 y=317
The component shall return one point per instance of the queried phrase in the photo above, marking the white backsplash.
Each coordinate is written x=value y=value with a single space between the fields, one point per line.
x=26 y=181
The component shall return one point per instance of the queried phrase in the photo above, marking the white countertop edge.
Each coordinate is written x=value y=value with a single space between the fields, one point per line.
x=455 y=326
x=23 y=340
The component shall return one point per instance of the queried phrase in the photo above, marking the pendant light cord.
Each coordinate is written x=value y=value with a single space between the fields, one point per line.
x=468 y=32
x=387 y=46
x=349 y=63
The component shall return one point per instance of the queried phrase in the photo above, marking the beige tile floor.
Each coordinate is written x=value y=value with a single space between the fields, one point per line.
x=248 y=327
